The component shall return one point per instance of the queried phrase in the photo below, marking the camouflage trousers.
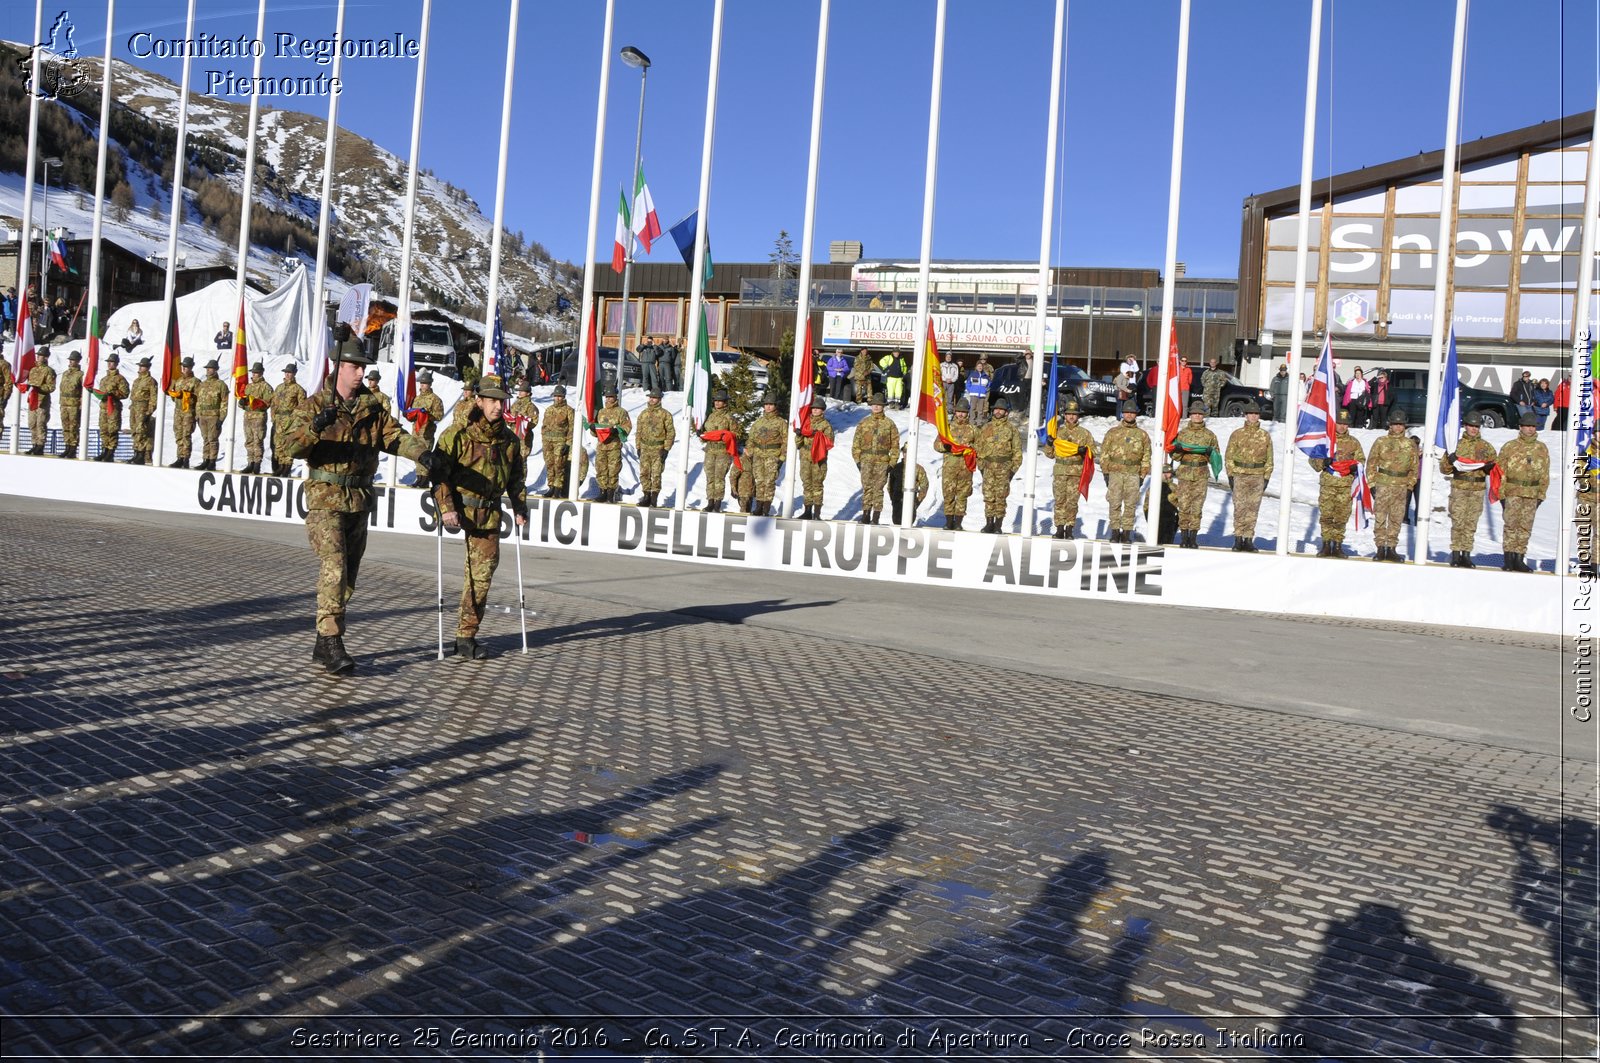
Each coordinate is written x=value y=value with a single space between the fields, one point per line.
x=39 y=426
x=1065 y=482
x=71 y=422
x=1466 y=506
x=1213 y=399
x=483 y=557
x=996 y=487
x=1189 y=496
x=957 y=487
x=717 y=465
x=338 y=540
x=1519 y=523
x=110 y=431
x=183 y=432
x=210 y=434
x=764 y=469
x=1247 y=492
x=978 y=410
x=1122 y=495
x=813 y=474
x=255 y=436
x=557 y=456
x=143 y=431
x=858 y=385
x=874 y=479
x=743 y=483
x=1333 y=498
x=1389 y=512
x=608 y=465
x=652 y=459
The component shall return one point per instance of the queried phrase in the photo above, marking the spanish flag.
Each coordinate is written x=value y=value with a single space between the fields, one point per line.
x=930 y=403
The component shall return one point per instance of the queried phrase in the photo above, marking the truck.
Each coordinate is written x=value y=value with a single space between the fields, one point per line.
x=431 y=347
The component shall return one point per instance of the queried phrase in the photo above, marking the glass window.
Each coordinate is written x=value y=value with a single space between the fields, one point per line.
x=1555 y=199
x=1279 y=311
x=1364 y=203
x=1558 y=166
x=1544 y=316
x=1501 y=169
x=661 y=318
x=614 y=316
x=1412 y=270
x=1281 y=266
x=1285 y=232
x=1481 y=314
x=1410 y=312
x=1353 y=311
x=713 y=321
x=1549 y=271
x=1354 y=267
x=1418 y=199
x=1488 y=199
x=1477 y=270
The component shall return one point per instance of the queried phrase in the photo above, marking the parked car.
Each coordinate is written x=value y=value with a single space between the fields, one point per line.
x=723 y=361
x=1410 y=387
x=632 y=372
x=1235 y=393
x=430 y=345
x=1095 y=397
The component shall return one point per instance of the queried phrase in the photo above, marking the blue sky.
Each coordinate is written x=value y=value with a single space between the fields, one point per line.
x=1384 y=86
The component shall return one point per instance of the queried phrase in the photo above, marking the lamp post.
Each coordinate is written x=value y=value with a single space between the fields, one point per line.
x=44 y=249
x=634 y=58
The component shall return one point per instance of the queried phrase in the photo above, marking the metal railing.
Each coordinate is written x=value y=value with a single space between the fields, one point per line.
x=1211 y=302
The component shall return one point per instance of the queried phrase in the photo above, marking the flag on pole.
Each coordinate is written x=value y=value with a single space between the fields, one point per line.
x=1314 y=432
x=93 y=370
x=804 y=370
x=683 y=234
x=405 y=383
x=1361 y=499
x=241 y=355
x=698 y=397
x=591 y=365
x=1049 y=401
x=171 y=346
x=646 y=225
x=354 y=307
x=58 y=254
x=930 y=403
x=619 y=249
x=322 y=339
x=1449 y=428
x=22 y=351
x=1171 y=405
x=497 y=346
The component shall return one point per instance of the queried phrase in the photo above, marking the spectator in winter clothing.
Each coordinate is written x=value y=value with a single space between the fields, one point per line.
x=838 y=370
x=1380 y=398
x=1280 y=393
x=1562 y=400
x=1356 y=400
x=978 y=391
x=223 y=340
x=1522 y=393
x=949 y=373
x=1543 y=400
x=894 y=369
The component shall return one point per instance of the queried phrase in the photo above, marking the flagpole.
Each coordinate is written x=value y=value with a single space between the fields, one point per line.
x=1041 y=312
x=99 y=211
x=25 y=244
x=409 y=227
x=698 y=270
x=627 y=261
x=1169 y=273
x=802 y=317
x=586 y=319
x=179 y=164
x=324 y=230
x=493 y=300
x=1291 y=414
x=1445 y=256
x=919 y=342
x=1582 y=375
x=246 y=196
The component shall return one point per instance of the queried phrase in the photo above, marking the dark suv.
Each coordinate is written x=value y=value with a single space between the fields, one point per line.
x=632 y=373
x=1235 y=393
x=1095 y=397
x=1410 y=390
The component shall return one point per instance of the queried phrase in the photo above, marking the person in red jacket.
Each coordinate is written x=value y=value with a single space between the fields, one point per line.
x=1563 y=401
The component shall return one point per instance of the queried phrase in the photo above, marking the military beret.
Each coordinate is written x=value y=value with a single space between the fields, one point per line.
x=1344 y=417
x=1397 y=416
x=1197 y=407
x=655 y=393
x=490 y=387
x=258 y=368
x=187 y=362
x=961 y=405
x=425 y=377
x=1252 y=407
x=374 y=375
x=1475 y=419
x=112 y=359
x=559 y=391
x=819 y=403
x=878 y=399
x=145 y=362
x=291 y=369
x=1529 y=420
x=769 y=398
x=74 y=356
x=719 y=395
x=213 y=364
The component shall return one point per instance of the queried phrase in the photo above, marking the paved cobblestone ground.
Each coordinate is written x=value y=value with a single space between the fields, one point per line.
x=210 y=850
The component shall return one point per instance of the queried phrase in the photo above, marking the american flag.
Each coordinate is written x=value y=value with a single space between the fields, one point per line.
x=1315 y=430
x=497 y=346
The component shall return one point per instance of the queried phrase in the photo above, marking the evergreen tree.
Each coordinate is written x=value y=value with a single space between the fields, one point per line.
x=783 y=257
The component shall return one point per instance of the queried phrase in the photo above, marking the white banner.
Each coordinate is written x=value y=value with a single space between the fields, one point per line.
x=1001 y=332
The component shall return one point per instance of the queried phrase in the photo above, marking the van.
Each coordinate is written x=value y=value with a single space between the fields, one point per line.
x=431 y=346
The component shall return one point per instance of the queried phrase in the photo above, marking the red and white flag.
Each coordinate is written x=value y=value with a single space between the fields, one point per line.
x=619 y=249
x=803 y=372
x=22 y=351
x=646 y=226
x=1171 y=408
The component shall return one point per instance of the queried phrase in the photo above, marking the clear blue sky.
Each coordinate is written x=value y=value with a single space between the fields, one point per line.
x=1384 y=87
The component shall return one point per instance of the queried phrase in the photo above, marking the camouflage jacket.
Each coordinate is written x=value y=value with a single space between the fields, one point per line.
x=997 y=442
x=433 y=406
x=1211 y=382
x=1345 y=448
x=1524 y=468
x=70 y=387
x=613 y=417
x=113 y=389
x=342 y=459
x=655 y=429
x=819 y=426
x=285 y=398
x=1469 y=449
x=459 y=412
x=144 y=395
x=876 y=439
x=41 y=381
x=525 y=409
x=183 y=391
x=1125 y=449
x=257 y=399
x=768 y=436
x=861 y=368
x=557 y=427
x=962 y=434
x=484 y=462
x=1249 y=453
x=211 y=398
x=723 y=420
x=1193 y=464
x=1394 y=462
x=1069 y=443
x=7 y=381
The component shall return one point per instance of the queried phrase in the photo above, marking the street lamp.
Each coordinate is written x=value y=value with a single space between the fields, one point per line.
x=44 y=248
x=634 y=58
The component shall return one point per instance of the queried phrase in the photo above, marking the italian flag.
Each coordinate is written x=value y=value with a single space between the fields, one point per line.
x=646 y=226
x=619 y=249
x=95 y=329
x=698 y=398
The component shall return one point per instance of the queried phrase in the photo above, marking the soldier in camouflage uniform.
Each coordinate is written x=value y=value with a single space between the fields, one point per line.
x=70 y=389
x=1070 y=445
x=957 y=478
x=764 y=448
x=8 y=384
x=654 y=435
x=861 y=375
x=374 y=382
x=142 y=414
x=464 y=405
x=482 y=461
x=814 y=469
x=1393 y=468
x=182 y=393
x=523 y=417
x=1467 y=467
x=876 y=443
x=211 y=405
x=256 y=402
x=1124 y=462
x=1525 y=479
x=286 y=398
x=1248 y=462
x=556 y=437
x=41 y=383
x=1192 y=452
x=112 y=390
x=722 y=434
x=340 y=432
x=897 y=488
x=611 y=429
x=1334 y=486
x=1211 y=382
x=999 y=458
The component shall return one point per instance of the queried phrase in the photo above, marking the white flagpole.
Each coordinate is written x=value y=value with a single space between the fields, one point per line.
x=802 y=352
x=99 y=209
x=1030 y=466
x=919 y=331
x=574 y=488
x=409 y=225
x=493 y=299
x=1291 y=414
x=1445 y=256
x=319 y=301
x=1169 y=272
x=702 y=205
x=245 y=202
x=179 y=164
x=1582 y=354
x=26 y=244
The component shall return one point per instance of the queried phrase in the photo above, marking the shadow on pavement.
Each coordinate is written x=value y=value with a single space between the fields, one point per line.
x=1555 y=887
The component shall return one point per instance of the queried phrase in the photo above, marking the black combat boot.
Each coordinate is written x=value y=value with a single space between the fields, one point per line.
x=746 y=504
x=1516 y=563
x=1238 y=545
x=69 y=451
x=181 y=463
x=716 y=507
x=1466 y=559
x=1069 y=532
x=337 y=661
x=1060 y=533
x=320 y=653
x=37 y=450
x=469 y=650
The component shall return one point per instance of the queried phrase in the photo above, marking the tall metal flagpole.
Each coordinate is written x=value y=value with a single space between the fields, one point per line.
x=99 y=210
x=702 y=205
x=409 y=223
x=1030 y=466
x=802 y=353
x=493 y=300
x=586 y=318
x=919 y=332
x=179 y=164
x=1581 y=380
x=1291 y=414
x=1170 y=267
x=1441 y=288
x=246 y=196
x=24 y=245
x=629 y=237
x=324 y=230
